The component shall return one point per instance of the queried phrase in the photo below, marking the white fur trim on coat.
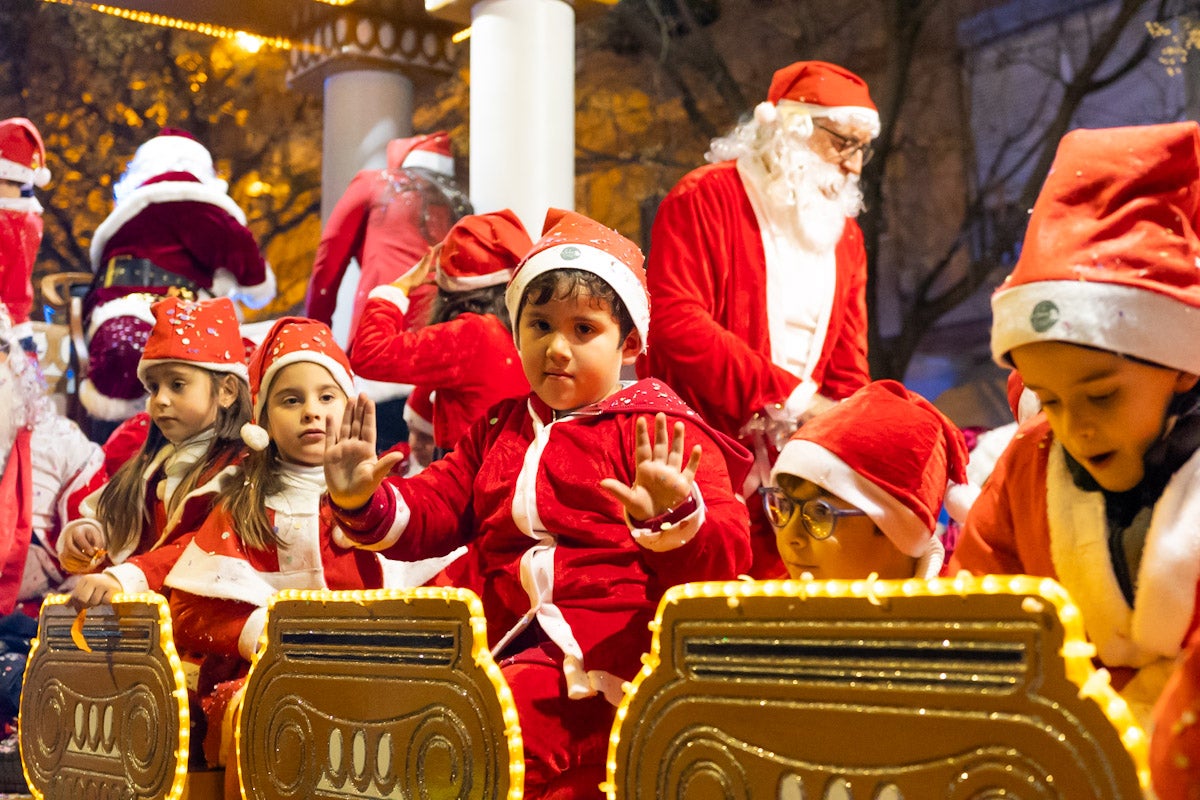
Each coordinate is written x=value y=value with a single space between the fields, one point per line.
x=165 y=192
x=255 y=297
x=1164 y=603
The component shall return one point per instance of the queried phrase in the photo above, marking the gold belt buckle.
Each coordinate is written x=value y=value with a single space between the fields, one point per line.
x=108 y=272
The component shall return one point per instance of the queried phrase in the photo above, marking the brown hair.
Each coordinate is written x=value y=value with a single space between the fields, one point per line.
x=565 y=284
x=244 y=499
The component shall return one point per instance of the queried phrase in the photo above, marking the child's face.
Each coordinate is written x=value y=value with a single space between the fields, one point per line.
x=182 y=400
x=303 y=396
x=1105 y=410
x=855 y=549
x=572 y=350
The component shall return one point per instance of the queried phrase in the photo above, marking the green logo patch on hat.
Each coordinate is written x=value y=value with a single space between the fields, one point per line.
x=1044 y=316
x=570 y=253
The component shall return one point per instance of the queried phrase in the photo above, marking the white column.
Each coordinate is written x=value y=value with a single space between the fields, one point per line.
x=523 y=107
x=364 y=110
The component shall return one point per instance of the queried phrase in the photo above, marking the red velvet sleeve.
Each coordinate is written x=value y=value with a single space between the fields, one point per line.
x=384 y=349
x=341 y=239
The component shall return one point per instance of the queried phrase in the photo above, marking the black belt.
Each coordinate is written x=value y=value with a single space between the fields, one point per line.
x=130 y=271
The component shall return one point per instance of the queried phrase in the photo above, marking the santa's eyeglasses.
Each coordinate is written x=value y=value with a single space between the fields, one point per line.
x=846 y=147
x=818 y=516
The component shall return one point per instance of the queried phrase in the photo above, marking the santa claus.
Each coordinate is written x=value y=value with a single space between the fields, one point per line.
x=758 y=271
x=173 y=230
x=22 y=166
x=386 y=220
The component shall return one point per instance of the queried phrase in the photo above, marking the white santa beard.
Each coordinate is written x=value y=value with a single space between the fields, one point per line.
x=821 y=194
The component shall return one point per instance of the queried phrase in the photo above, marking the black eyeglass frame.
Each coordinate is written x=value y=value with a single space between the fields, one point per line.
x=849 y=146
x=776 y=500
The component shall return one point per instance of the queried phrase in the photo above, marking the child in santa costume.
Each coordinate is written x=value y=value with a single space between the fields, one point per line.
x=569 y=574
x=137 y=524
x=173 y=230
x=466 y=353
x=857 y=490
x=1101 y=490
x=1175 y=732
x=221 y=585
x=22 y=166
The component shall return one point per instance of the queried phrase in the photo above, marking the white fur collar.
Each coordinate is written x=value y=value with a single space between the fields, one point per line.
x=165 y=192
x=1167 y=578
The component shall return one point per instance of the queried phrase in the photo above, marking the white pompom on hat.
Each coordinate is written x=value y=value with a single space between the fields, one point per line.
x=887 y=451
x=292 y=340
x=22 y=154
x=1110 y=257
x=572 y=241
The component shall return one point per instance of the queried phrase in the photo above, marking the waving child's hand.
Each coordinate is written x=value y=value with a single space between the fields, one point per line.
x=662 y=481
x=352 y=470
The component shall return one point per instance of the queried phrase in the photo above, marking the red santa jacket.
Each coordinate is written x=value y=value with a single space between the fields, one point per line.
x=522 y=487
x=470 y=362
x=706 y=273
x=144 y=565
x=20 y=237
x=1175 y=738
x=1032 y=519
x=384 y=222
x=16 y=518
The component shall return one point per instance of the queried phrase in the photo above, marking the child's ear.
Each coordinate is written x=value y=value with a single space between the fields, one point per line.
x=632 y=347
x=227 y=392
x=1185 y=382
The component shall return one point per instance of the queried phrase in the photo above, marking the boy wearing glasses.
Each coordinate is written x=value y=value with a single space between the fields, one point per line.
x=857 y=491
x=758 y=270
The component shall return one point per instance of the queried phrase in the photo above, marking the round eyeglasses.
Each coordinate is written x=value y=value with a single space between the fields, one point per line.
x=846 y=147
x=818 y=516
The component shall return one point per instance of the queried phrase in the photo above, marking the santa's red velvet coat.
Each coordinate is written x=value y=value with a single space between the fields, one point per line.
x=523 y=489
x=706 y=273
x=380 y=228
x=1032 y=519
x=470 y=361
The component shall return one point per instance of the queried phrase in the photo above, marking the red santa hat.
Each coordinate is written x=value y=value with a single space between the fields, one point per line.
x=117 y=335
x=572 y=241
x=482 y=250
x=202 y=333
x=22 y=154
x=292 y=340
x=429 y=151
x=172 y=150
x=822 y=90
x=1111 y=252
x=418 y=410
x=888 y=452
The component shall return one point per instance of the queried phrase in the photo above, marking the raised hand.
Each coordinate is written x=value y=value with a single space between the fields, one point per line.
x=662 y=481
x=352 y=470
x=418 y=272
